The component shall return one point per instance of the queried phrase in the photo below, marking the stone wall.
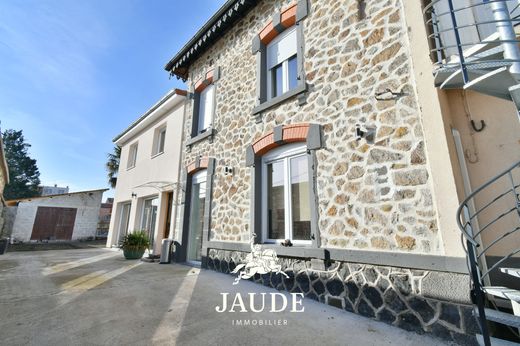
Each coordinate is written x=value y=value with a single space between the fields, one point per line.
x=400 y=297
x=371 y=196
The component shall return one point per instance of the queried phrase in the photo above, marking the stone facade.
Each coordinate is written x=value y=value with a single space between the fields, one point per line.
x=392 y=295
x=371 y=196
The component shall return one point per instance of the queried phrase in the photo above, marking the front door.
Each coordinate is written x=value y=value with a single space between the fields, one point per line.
x=148 y=218
x=166 y=232
x=123 y=222
x=198 y=199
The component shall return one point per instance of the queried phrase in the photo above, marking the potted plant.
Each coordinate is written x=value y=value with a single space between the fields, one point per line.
x=135 y=244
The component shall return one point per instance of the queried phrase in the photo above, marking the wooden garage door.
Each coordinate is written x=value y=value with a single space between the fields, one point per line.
x=53 y=223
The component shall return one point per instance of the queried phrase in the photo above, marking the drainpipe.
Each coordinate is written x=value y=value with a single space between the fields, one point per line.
x=507 y=35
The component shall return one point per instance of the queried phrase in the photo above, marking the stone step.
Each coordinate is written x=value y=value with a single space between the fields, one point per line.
x=511 y=271
x=500 y=317
x=503 y=292
x=495 y=341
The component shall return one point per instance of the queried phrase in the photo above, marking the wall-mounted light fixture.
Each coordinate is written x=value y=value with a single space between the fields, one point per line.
x=228 y=170
x=134 y=195
x=368 y=133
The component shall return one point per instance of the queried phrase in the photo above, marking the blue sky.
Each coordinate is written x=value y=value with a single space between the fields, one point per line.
x=73 y=74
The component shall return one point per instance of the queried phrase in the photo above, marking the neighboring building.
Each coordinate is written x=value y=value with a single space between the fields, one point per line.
x=147 y=181
x=105 y=212
x=72 y=216
x=273 y=151
x=4 y=180
x=53 y=190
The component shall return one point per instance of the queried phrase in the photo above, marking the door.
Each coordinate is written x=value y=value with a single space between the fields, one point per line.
x=53 y=223
x=198 y=199
x=167 y=224
x=149 y=217
x=123 y=222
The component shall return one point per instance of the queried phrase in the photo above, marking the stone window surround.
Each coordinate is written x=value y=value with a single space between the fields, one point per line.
x=292 y=15
x=210 y=77
x=197 y=165
x=280 y=135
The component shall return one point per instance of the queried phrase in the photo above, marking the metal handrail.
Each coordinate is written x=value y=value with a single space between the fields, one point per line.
x=474 y=249
x=444 y=22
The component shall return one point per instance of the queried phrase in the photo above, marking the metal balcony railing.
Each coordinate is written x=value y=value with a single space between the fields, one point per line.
x=474 y=35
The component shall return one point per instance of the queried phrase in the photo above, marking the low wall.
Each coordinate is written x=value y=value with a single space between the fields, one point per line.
x=415 y=300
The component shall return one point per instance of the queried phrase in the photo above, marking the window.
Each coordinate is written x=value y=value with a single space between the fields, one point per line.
x=132 y=156
x=286 y=211
x=282 y=70
x=159 y=139
x=205 y=109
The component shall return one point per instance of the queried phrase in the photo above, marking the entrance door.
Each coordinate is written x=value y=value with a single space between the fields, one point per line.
x=149 y=217
x=167 y=224
x=52 y=223
x=123 y=222
x=198 y=199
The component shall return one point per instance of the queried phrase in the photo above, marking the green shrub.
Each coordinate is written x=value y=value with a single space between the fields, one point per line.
x=136 y=240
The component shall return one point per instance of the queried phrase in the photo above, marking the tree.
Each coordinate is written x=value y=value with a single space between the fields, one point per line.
x=112 y=166
x=24 y=177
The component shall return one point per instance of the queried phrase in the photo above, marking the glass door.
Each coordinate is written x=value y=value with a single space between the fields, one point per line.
x=123 y=222
x=198 y=199
x=148 y=218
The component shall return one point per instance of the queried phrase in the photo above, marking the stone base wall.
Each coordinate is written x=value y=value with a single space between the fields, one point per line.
x=397 y=296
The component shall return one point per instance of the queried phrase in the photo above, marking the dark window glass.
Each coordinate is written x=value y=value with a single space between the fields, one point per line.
x=277 y=81
x=275 y=198
x=293 y=72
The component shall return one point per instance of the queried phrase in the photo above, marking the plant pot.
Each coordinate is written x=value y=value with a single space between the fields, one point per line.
x=133 y=253
x=3 y=245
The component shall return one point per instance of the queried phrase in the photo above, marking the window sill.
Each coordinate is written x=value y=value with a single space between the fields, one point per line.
x=129 y=168
x=279 y=99
x=158 y=154
x=209 y=133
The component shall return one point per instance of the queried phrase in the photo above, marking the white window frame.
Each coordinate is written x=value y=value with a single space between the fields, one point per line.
x=285 y=63
x=132 y=155
x=206 y=109
x=283 y=153
x=143 y=206
x=161 y=131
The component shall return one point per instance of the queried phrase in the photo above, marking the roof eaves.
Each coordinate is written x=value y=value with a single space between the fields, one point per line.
x=227 y=15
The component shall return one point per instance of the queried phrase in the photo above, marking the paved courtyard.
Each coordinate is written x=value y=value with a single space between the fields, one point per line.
x=95 y=297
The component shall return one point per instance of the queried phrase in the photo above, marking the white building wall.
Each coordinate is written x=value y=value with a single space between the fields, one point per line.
x=149 y=168
x=85 y=225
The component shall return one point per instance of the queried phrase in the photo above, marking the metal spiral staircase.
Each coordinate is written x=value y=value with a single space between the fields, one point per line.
x=497 y=220
x=475 y=46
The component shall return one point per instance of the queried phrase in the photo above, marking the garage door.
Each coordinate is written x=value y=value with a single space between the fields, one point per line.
x=53 y=223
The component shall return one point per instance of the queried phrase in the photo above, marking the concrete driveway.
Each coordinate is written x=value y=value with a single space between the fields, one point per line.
x=95 y=297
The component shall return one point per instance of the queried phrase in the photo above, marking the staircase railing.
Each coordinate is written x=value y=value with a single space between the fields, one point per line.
x=455 y=26
x=495 y=205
